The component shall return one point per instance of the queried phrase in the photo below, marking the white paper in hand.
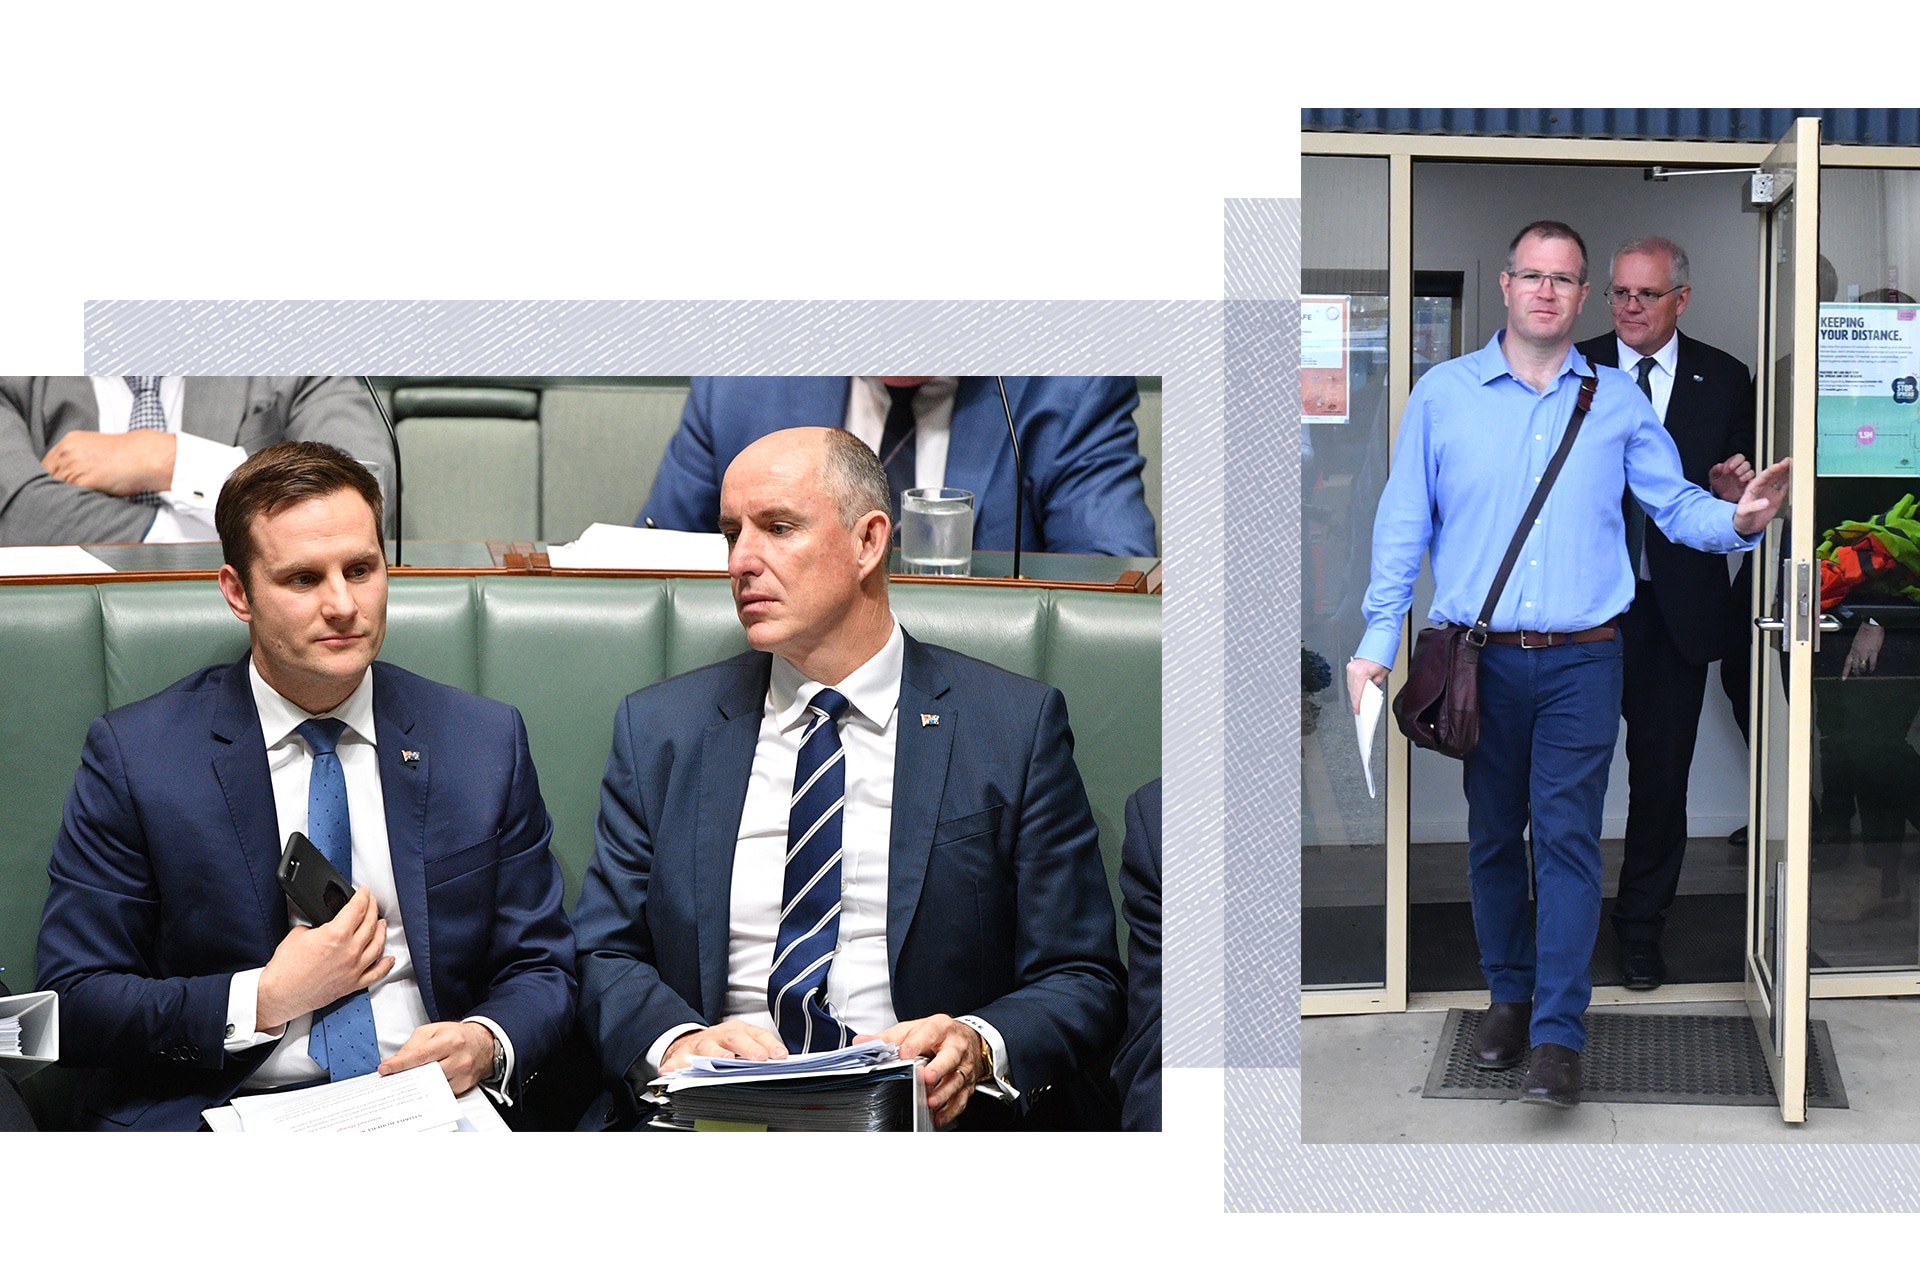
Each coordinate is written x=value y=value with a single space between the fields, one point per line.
x=1372 y=698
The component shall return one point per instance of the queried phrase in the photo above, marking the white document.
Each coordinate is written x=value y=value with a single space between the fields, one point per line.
x=20 y=562
x=476 y=1116
x=618 y=546
x=416 y=1101
x=1372 y=699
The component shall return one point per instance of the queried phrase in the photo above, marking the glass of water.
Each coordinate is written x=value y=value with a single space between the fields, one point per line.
x=936 y=531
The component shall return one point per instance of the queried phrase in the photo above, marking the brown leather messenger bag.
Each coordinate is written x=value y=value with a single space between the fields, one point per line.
x=1439 y=706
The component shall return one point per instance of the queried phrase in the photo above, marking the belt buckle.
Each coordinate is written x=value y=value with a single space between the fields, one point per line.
x=1547 y=644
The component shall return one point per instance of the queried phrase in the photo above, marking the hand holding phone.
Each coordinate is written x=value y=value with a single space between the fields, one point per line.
x=315 y=885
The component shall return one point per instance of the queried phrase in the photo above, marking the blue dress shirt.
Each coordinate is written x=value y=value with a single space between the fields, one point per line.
x=1473 y=444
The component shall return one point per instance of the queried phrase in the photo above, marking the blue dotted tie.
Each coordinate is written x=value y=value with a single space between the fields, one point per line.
x=147 y=416
x=342 y=1039
x=810 y=896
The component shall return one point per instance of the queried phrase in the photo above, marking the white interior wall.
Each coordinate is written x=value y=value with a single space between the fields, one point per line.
x=1463 y=217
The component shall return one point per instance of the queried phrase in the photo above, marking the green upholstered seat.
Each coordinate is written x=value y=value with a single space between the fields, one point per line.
x=563 y=650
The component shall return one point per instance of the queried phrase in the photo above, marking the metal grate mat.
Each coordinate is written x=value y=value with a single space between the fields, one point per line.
x=1687 y=1059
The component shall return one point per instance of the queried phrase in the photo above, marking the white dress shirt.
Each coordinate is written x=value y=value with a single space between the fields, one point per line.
x=1660 y=379
x=868 y=401
x=200 y=466
x=398 y=1009
x=859 y=984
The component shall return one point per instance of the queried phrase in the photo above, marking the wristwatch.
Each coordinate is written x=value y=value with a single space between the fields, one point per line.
x=499 y=1061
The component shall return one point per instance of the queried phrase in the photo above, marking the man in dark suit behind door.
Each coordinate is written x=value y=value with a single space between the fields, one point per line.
x=1677 y=624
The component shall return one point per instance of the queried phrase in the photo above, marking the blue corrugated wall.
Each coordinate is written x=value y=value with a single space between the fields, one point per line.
x=1877 y=126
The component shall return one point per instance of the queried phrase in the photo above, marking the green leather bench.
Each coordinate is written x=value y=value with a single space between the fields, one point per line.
x=564 y=650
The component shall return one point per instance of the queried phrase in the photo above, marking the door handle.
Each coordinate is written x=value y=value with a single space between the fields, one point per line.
x=1770 y=624
x=1829 y=623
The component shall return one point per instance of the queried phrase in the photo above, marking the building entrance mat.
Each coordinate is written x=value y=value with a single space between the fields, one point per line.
x=1686 y=1059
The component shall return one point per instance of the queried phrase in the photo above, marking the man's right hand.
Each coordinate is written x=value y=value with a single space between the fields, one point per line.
x=1359 y=673
x=728 y=1040
x=313 y=967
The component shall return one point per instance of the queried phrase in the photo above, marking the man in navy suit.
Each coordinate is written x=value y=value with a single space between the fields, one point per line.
x=967 y=917
x=1136 y=1068
x=1676 y=626
x=184 y=977
x=1077 y=440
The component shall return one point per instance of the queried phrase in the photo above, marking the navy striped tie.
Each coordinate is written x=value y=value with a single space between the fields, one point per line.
x=342 y=1039
x=810 y=896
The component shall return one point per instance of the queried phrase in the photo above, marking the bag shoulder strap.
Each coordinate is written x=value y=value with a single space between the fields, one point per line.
x=1478 y=636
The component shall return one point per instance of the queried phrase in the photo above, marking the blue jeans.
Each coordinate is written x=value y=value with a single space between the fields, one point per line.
x=1548 y=722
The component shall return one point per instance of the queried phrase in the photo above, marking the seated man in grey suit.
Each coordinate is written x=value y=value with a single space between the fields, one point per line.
x=845 y=835
x=142 y=459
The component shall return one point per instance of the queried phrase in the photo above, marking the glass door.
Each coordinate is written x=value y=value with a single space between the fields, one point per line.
x=1787 y=620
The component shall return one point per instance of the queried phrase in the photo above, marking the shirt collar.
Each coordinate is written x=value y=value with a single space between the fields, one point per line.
x=1667 y=358
x=280 y=717
x=1491 y=362
x=873 y=688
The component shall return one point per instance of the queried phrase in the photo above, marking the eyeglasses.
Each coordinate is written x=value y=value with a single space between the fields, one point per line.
x=1645 y=297
x=1531 y=280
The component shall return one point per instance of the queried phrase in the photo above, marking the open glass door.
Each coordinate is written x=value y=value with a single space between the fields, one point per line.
x=1787 y=591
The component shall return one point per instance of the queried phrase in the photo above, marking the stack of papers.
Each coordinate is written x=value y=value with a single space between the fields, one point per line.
x=618 y=546
x=19 y=562
x=29 y=1033
x=416 y=1101
x=862 y=1089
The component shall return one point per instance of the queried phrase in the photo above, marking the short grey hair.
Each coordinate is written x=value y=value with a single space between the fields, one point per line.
x=855 y=478
x=1676 y=256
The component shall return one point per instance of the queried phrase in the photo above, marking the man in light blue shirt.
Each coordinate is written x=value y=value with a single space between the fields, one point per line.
x=1474 y=442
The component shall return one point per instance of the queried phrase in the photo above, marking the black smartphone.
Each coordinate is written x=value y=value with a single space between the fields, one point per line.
x=315 y=885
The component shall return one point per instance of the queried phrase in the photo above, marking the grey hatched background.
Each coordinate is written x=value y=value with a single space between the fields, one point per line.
x=1178 y=341
x=1250 y=840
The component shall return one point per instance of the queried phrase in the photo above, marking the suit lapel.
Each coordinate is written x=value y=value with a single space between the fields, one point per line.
x=726 y=763
x=813 y=402
x=923 y=744
x=240 y=763
x=974 y=451
x=214 y=408
x=404 y=764
x=1681 y=408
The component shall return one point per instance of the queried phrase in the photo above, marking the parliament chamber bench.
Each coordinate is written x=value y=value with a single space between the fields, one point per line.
x=562 y=649
x=543 y=458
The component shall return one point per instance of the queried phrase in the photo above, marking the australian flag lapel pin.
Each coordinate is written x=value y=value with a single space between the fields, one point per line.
x=927 y=719
x=409 y=758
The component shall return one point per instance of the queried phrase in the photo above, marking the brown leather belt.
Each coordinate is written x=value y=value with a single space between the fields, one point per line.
x=1548 y=639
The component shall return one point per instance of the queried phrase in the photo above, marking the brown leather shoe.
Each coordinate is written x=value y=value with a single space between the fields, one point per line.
x=1553 y=1076
x=1501 y=1038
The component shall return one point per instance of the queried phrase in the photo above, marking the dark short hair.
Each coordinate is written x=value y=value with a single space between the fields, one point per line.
x=276 y=478
x=855 y=478
x=1547 y=229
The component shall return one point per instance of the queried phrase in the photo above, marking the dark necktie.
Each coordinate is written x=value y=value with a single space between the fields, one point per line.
x=1636 y=515
x=342 y=1039
x=810 y=894
x=147 y=416
x=896 y=445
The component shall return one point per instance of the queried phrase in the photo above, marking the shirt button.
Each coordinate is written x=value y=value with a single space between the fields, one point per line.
x=1536 y=437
